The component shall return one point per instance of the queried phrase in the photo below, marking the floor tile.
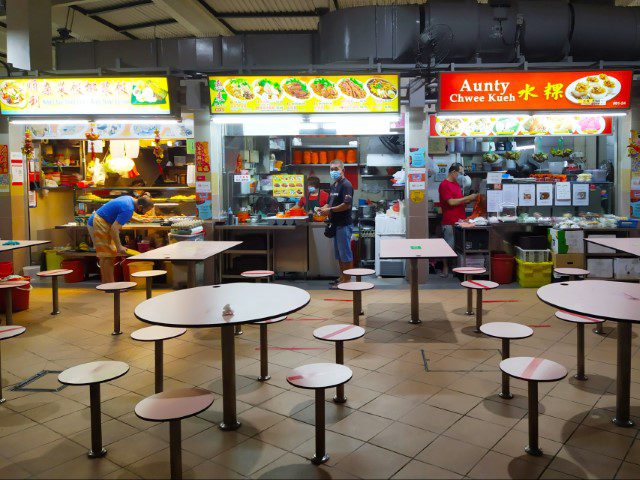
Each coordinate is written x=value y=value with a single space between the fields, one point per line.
x=404 y=439
x=370 y=461
x=452 y=454
x=248 y=456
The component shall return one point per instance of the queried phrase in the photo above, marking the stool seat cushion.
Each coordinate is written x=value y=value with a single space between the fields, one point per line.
x=319 y=375
x=273 y=320
x=93 y=372
x=13 y=284
x=174 y=404
x=470 y=270
x=533 y=369
x=577 y=318
x=156 y=332
x=338 y=333
x=54 y=273
x=480 y=284
x=257 y=273
x=509 y=330
x=571 y=271
x=355 y=286
x=359 y=272
x=116 y=286
x=10 y=331
x=148 y=273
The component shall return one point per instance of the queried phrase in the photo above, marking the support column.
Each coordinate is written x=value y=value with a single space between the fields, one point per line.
x=29 y=34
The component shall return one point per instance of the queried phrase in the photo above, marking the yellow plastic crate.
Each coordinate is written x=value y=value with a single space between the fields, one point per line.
x=534 y=274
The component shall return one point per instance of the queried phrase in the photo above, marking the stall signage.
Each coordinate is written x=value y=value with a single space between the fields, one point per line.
x=85 y=96
x=519 y=125
x=305 y=94
x=526 y=91
x=288 y=185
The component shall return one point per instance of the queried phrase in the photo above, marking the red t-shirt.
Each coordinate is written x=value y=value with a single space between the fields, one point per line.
x=450 y=190
x=324 y=198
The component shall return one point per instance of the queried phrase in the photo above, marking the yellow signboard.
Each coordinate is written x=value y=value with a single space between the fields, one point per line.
x=305 y=94
x=288 y=185
x=85 y=96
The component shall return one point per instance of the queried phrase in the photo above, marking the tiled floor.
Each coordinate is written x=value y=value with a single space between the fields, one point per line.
x=400 y=421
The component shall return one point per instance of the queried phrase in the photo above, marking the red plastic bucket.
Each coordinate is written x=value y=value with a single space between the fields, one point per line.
x=6 y=269
x=78 y=270
x=19 y=297
x=502 y=268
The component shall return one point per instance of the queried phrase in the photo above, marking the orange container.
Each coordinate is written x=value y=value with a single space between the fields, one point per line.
x=297 y=157
x=315 y=158
x=243 y=217
x=306 y=157
x=332 y=155
x=351 y=156
x=323 y=159
x=340 y=155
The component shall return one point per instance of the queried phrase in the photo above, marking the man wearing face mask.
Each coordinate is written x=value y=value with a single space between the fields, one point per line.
x=314 y=197
x=339 y=211
x=452 y=203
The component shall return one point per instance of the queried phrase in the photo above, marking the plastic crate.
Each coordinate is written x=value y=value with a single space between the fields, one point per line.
x=534 y=274
x=630 y=223
x=533 y=256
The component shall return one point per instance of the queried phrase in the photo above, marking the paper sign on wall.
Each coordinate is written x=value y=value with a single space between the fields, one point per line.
x=17 y=169
x=494 y=200
x=417 y=178
x=580 y=194
x=563 y=194
x=544 y=194
x=494 y=178
x=510 y=194
x=526 y=195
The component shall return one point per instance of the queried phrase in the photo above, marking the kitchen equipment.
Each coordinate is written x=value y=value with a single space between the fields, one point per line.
x=501 y=146
x=451 y=145
x=368 y=243
x=470 y=144
x=288 y=206
x=459 y=144
x=367 y=211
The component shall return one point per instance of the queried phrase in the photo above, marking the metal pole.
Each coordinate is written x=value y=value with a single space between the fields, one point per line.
x=321 y=455
x=191 y=274
x=623 y=388
x=148 y=286
x=264 y=354
x=505 y=393
x=340 y=397
x=116 y=313
x=54 y=290
x=158 y=370
x=478 y=310
x=356 y=307
x=415 y=305
x=2 y=399
x=229 y=419
x=469 y=298
x=532 y=448
x=580 y=375
x=598 y=328
x=175 y=449
x=8 y=306
x=96 y=423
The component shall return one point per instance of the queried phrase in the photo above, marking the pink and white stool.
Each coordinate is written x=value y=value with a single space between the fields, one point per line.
x=469 y=273
x=258 y=276
x=357 y=288
x=359 y=273
x=6 y=333
x=264 y=347
x=116 y=288
x=54 y=274
x=8 y=298
x=580 y=321
x=318 y=377
x=339 y=334
x=572 y=273
x=533 y=370
x=158 y=334
x=506 y=331
x=173 y=406
x=479 y=286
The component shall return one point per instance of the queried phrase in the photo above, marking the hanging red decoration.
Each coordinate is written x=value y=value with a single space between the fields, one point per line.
x=27 y=148
x=158 y=152
x=92 y=136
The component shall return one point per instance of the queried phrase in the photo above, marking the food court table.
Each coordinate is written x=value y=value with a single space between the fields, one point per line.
x=223 y=306
x=189 y=252
x=21 y=244
x=626 y=245
x=615 y=301
x=415 y=249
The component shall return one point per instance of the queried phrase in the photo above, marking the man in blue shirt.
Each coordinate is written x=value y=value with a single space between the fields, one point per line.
x=105 y=225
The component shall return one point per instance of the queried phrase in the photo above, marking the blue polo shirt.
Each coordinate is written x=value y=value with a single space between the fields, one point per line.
x=117 y=210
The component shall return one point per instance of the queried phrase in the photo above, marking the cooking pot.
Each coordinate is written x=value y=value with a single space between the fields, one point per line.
x=367 y=211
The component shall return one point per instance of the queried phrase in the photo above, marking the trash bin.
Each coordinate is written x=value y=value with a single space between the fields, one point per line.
x=19 y=296
x=502 y=266
x=138 y=266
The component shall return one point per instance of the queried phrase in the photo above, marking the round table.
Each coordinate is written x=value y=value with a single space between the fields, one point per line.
x=615 y=301
x=223 y=306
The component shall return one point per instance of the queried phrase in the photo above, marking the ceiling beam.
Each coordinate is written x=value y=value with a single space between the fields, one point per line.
x=114 y=8
x=85 y=27
x=303 y=14
x=196 y=16
x=153 y=23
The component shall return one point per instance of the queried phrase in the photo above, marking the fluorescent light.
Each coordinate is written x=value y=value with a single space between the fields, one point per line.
x=47 y=121
x=592 y=113
x=138 y=121
x=526 y=147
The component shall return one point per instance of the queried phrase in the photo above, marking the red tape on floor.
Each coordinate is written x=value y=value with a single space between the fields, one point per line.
x=538 y=326
x=294 y=348
x=336 y=300
x=308 y=319
x=500 y=301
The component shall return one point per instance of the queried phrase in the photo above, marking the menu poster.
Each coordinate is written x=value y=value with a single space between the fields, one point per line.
x=580 y=194
x=527 y=195
x=510 y=194
x=288 y=185
x=544 y=194
x=494 y=200
x=17 y=169
x=417 y=178
x=203 y=162
x=4 y=159
x=563 y=194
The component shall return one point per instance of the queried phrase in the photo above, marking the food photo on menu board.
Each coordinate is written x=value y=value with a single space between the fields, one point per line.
x=288 y=185
x=304 y=94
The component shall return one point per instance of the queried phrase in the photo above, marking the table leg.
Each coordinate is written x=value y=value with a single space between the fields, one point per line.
x=264 y=354
x=340 y=397
x=175 y=449
x=505 y=393
x=237 y=330
x=357 y=300
x=623 y=389
x=8 y=306
x=469 y=298
x=54 y=292
x=148 y=284
x=96 y=423
x=478 y=310
x=580 y=375
x=321 y=455
x=532 y=448
x=158 y=368
x=191 y=274
x=2 y=399
x=116 y=313
x=229 y=419
x=415 y=302
x=598 y=328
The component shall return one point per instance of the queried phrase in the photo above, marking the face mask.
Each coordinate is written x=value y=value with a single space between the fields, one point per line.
x=312 y=190
x=335 y=174
x=464 y=181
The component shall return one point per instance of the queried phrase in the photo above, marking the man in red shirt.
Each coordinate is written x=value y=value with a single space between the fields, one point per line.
x=452 y=203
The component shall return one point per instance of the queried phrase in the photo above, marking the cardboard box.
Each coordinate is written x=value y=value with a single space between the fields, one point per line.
x=600 y=267
x=626 y=268
x=568 y=260
x=566 y=241
x=595 y=248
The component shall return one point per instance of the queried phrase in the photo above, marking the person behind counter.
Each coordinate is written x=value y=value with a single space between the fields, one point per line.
x=105 y=225
x=339 y=210
x=452 y=203
x=314 y=197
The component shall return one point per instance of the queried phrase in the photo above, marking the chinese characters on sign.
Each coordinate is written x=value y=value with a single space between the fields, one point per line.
x=203 y=163
x=203 y=181
x=4 y=168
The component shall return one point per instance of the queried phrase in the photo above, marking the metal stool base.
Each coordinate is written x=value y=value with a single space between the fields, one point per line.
x=536 y=452
x=55 y=313
x=506 y=396
x=338 y=399
x=100 y=454
x=580 y=377
x=229 y=427
x=627 y=424
x=264 y=379
x=2 y=400
x=116 y=333
x=415 y=322
x=318 y=461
